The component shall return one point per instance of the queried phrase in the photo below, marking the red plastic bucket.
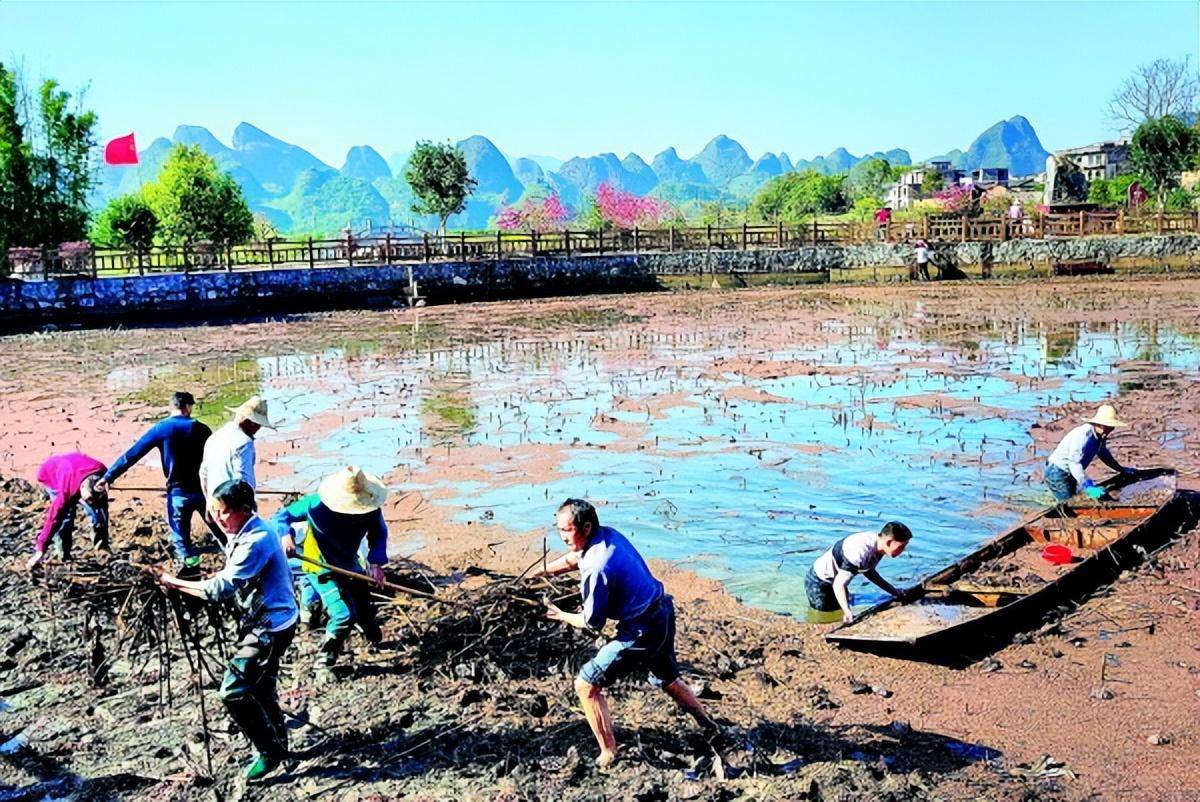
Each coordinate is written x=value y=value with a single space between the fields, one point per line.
x=1057 y=554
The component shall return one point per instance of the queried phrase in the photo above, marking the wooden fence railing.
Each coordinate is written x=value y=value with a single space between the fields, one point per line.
x=351 y=251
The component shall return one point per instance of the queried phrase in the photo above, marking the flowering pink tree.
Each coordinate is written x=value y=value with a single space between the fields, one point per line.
x=626 y=210
x=533 y=214
x=957 y=198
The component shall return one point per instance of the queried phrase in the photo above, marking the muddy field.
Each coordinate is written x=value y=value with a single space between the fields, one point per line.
x=957 y=387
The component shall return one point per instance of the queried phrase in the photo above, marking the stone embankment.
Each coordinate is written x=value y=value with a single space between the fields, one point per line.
x=178 y=296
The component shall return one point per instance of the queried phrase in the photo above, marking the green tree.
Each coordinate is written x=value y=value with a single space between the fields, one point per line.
x=1111 y=191
x=1181 y=200
x=1161 y=150
x=16 y=185
x=126 y=222
x=47 y=167
x=793 y=196
x=869 y=179
x=196 y=202
x=588 y=217
x=65 y=167
x=264 y=229
x=439 y=178
x=932 y=182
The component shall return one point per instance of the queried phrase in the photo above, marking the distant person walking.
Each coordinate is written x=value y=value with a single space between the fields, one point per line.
x=180 y=442
x=1016 y=217
x=921 y=251
x=883 y=219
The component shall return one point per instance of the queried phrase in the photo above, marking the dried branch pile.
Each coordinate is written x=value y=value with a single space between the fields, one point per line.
x=497 y=629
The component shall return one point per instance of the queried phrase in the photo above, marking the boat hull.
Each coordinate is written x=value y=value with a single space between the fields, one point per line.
x=930 y=625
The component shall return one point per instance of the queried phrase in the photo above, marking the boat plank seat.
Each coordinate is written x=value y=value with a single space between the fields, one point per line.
x=986 y=595
x=1080 y=535
x=1105 y=512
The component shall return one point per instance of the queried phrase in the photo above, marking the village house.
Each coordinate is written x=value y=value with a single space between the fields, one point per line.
x=907 y=191
x=1098 y=160
x=987 y=177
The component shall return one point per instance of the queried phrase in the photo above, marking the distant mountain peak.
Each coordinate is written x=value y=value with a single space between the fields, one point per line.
x=199 y=135
x=723 y=159
x=246 y=134
x=363 y=161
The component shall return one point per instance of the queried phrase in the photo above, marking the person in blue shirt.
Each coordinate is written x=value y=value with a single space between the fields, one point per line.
x=615 y=584
x=180 y=441
x=345 y=509
x=257 y=579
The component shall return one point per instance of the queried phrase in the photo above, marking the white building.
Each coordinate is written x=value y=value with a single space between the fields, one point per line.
x=1098 y=160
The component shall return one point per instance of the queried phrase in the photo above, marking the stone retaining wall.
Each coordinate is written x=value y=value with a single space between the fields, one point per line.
x=179 y=296
x=184 y=296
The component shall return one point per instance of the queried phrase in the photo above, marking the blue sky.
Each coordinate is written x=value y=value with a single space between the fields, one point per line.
x=578 y=78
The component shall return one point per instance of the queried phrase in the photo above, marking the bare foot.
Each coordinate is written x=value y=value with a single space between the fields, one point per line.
x=605 y=760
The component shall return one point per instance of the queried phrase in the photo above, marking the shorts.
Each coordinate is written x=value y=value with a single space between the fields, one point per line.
x=646 y=642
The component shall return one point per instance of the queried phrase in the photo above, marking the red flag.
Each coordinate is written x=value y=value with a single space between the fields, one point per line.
x=122 y=150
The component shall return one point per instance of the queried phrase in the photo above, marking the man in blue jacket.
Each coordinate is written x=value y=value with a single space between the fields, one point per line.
x=180 y=441
x=616 y=584
x=257 y=579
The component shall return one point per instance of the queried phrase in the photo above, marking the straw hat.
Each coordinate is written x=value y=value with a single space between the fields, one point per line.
x=351 y=491
x=1106 y=416
x=253 y=409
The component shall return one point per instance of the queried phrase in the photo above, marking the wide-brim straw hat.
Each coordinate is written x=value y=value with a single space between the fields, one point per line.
x=352 y=491
x=253 y=409
x=1106 y=416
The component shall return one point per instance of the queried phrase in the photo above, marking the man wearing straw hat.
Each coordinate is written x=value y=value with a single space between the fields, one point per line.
x=345 y=509
x=1066 y=466
x=229 y=451
x=257 y=578
x=180 y=441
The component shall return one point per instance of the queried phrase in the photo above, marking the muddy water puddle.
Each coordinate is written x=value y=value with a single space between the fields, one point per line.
x=734 y=458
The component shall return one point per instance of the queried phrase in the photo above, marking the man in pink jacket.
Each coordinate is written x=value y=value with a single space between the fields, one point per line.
x=70 y=479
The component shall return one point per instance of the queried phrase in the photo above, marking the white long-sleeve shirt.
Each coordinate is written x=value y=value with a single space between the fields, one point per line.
x=228 y=454
x=1075 y=451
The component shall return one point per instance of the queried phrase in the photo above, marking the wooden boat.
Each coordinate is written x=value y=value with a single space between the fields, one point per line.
x=1006 y=586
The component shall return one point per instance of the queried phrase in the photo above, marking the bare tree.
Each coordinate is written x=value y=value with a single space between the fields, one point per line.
x=1163 y=86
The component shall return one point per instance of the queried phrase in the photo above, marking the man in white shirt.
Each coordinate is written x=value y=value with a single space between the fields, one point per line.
x=827 y=580
x=1066 y=466
x=229 y=452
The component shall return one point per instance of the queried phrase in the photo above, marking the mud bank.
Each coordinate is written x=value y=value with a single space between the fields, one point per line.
x=800 y=711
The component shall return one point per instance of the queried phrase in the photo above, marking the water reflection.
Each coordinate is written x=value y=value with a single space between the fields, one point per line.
x=736 y=461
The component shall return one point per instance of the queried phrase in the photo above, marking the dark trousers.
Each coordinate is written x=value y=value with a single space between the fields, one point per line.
x=248 y=689
x=820 y=593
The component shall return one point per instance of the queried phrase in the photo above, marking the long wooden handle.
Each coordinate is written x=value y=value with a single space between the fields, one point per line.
x=363 y=578
x=257 y=492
